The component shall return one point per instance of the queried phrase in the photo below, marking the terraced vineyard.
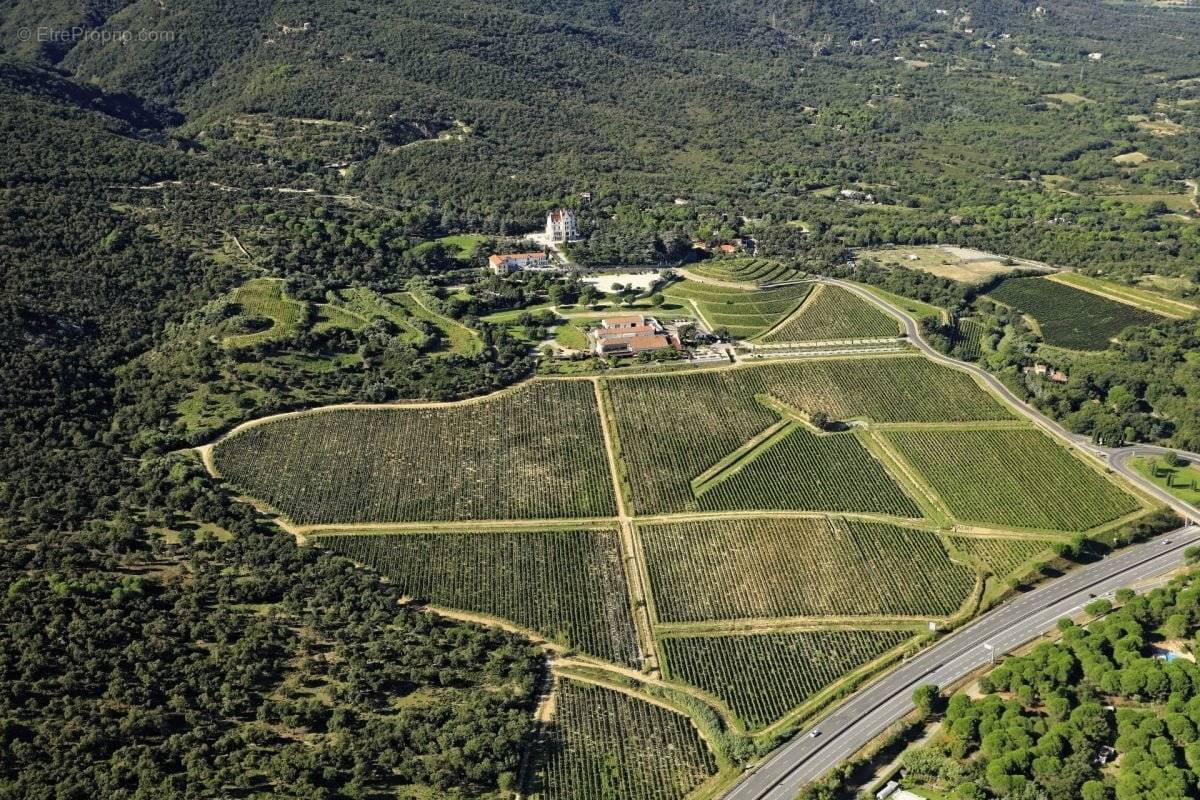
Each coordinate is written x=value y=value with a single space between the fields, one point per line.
x=761 y=677
x=832 y=313
x=1002 y=556
x=603 y=745
x=783 y=567
x=713 y=413
x=456 y=337
x=802 y=471
x=536 y=452
x=264 y=301
x=1012 y=477
x=1070 y=317
x=745 y=270
x=361 y=306
x=743 y=312
x=568 y=586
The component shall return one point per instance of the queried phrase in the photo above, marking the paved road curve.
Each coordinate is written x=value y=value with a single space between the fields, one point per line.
x=870 y=711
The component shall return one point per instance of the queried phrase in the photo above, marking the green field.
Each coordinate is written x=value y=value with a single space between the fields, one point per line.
x=571 y=336
x=831 y=313
x=743 y=312
x=761 y=677
x=744 y=270
x=265 y=308
x=605 y=745
x=802 y=566
x=1012 y=477
x=569 y=586
x=803 y=471
x=713 y=413
x=1183 y=482
x=535 y=452
x=1002 y=557
x=1149 y=301
x=1070 y=317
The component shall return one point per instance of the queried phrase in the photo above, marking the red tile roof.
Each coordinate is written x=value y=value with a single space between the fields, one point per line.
x=640 y=344
x=627 y=319
x=632 y=330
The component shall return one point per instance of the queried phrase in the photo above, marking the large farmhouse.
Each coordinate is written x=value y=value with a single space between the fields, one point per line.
x=506 y=264
x=630 y=335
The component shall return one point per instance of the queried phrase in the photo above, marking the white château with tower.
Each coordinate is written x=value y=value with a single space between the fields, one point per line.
x=562 y=226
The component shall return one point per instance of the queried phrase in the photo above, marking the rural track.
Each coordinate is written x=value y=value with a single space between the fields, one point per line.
x=843 y=731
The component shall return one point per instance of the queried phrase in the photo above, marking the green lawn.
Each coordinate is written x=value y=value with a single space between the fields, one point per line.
x=571 y=336
x=462 y=245
x=915 y=308
x=1183 y=482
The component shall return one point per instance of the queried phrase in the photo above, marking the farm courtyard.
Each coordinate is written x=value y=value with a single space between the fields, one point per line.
x=706 y=554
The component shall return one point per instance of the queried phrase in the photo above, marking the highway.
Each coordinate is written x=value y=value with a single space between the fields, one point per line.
x=870 y=711
x=846 y=729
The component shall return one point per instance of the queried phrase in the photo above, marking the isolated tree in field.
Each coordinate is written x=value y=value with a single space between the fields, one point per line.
x=820 y=420
x=657 y=299
x=589 y=295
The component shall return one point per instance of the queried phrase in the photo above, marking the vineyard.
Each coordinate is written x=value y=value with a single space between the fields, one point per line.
x=457 y=337
x=1002 y=556
x=776 y=567
x=745 y=270
x=743 y=312
x=1070 y=317
x=605 y=745
x=536 y=452
x=830 y=314
x=1012 y=477
x=361 y=306
x=713 y=413
x=805 y=472
x=968 y=339
x=568 y=586
x=263 y=300
x=761 y=677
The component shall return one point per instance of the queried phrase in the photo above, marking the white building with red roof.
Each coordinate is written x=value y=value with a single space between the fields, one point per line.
x=508 y=263
x=630 y=335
